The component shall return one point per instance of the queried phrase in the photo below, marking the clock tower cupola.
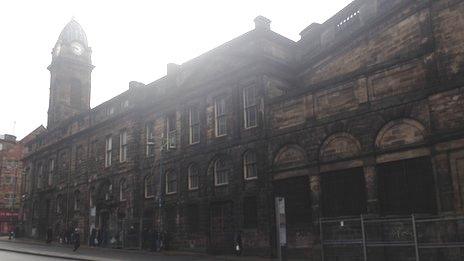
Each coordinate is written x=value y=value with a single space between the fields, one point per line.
x=70 y=75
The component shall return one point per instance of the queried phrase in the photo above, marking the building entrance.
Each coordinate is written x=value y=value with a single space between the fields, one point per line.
x=221 y=227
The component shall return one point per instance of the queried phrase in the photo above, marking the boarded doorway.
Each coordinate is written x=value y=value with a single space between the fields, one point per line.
x=406 y=187
x=296 y=192
x=343 y=193
x=221 y=227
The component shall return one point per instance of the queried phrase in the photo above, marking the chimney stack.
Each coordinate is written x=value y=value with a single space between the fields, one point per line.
x=135 y=84
x=172 y=69
x=262 y=23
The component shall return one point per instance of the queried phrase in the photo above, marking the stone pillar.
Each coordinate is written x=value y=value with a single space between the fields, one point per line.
x=370 y=176
x=451 y=182
x=315 y=187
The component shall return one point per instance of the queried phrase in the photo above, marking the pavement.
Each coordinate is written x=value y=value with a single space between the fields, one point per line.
x=12 y=256
x=20 y=249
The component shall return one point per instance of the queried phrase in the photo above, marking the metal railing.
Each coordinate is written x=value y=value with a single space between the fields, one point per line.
x=410 y=238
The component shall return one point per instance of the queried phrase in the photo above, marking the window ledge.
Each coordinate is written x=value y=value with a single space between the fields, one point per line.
x=250 y=127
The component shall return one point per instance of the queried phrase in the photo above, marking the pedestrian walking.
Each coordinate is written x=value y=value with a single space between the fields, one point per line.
x=77 y=239
x=93 y=237
x=238 y=246
x=155 y=241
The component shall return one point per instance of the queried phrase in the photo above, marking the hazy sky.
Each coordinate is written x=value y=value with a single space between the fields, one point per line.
x=130 y=40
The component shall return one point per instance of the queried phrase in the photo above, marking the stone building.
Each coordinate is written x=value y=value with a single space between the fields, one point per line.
x=362 y=119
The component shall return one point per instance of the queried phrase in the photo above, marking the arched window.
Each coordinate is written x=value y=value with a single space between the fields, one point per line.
x=250 y=170
x=171 y=182
x=76 y=199
x=122 y=190
x=149 y=188
x=221 y=173
x=193 y=177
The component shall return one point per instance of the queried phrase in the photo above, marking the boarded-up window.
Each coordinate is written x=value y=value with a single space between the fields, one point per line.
x=406 y=187
x=171 y=219
x=193 y=218
x=343 y=193
x=297 y=201
x=250 y=212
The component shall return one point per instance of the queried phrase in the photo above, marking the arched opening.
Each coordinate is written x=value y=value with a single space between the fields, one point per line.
x=343 y=192
x=405 y=183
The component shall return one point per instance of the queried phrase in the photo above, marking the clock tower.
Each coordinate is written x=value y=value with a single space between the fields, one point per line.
x=70 y=73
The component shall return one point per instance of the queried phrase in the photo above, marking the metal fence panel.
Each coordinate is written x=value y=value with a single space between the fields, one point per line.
x=393 y=238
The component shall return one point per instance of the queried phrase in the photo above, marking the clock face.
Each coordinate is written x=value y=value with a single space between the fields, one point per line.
x=77 y=48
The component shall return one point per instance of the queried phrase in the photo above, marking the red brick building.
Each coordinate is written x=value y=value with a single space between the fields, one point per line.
x=10 y=179
x=11 y=153
x=358 y=126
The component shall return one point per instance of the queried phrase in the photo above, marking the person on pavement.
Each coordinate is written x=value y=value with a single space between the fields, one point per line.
x=93 y=237
x=77 y=239
x=238 y=243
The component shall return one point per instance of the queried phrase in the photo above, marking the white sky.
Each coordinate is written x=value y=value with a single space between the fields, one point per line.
x=130 y=40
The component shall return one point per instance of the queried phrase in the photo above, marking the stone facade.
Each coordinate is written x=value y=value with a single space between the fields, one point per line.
x=363 y=115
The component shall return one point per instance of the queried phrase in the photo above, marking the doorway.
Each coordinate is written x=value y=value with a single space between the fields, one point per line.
x=103 y=219
x=221 y=227
x=298 y=214
x=343 y=193
x=406 y=187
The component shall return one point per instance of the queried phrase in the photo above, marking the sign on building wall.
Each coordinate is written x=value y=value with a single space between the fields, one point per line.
x=281 y=222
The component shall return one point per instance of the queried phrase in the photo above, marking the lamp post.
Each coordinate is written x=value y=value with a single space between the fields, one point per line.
x=13 y=200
